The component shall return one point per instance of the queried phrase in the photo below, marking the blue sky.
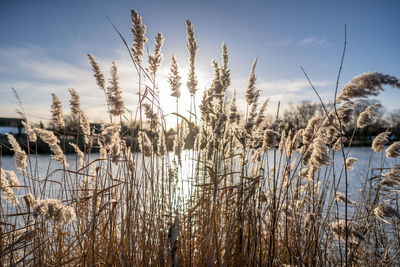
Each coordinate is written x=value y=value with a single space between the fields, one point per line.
x=43 y=47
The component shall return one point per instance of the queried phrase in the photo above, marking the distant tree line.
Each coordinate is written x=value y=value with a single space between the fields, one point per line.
x=297 y=117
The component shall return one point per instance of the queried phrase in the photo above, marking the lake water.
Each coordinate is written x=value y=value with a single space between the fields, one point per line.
x=356 y=176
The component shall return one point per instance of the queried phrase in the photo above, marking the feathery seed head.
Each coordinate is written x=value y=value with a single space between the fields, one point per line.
x=161 y=146
x=152 y=117
x=145 y=144
x=225 y=72
x=383 y=211
x=367 y=84
x=85 y=127
x=115 y=101
x=79 y=153
x=174 y=79
x=320 y=153
x=350 y=163
x=251 y=93
x=341 y=197
x=354 y=233
x=310 y=129
x=75 y=102
x=260 y=118
x=156 y=59
x=138 y=35
x=367 y=117
x=19 y=154
x=56 y=111
x=50 y=139
x=53 y=209
x=220 y=126
x=29 y=131
x=234 y=116
x=393 y=151
x=192 y=49
x=97 y=73
x=380 y=141
x=392 y=177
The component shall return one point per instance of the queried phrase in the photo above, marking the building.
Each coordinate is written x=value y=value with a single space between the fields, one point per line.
x=11 y=125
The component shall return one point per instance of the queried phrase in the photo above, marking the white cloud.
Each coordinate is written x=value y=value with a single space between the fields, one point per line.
x=290 y=86
x=313 y=41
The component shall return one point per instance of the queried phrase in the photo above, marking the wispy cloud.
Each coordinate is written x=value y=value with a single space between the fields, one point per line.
x=284 y=91
x=313 y=41
x=297 y=85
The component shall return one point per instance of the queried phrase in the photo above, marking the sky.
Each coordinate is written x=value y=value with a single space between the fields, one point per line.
x=44 y=46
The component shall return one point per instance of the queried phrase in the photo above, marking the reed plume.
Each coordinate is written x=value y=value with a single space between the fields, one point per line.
x=271 y=139
x=112 y=141
x=56 y=111
x=161 y=146
x=192 y=49
x=392 y=177
x=354 y=234
x=80 y=154
x=115 y=102
x=29 y=131
x=367 y=117
x=366 y=84
x=225 y=72
x=174 y=79
x=220 y=126
x=145 y=144
x=234 y=116
x=393 y=151
x=350 y=163
x=152 y=117
x=6 y=185
x=101 y=83
x=380 y=141
x=139 y=39
x=179 y=141
x=49 y=138
x=85 y=127
x=341 y=197
x=260 y=118
x=251 y=93
x=320 y=153
x=19 y=154
x=383 y=211
x=75 y=102
x=216 y=86
x=312 y=126
x=53 y=209
x=156 y=58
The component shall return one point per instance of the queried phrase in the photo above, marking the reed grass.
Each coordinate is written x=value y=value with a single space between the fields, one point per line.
x=244 y=192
